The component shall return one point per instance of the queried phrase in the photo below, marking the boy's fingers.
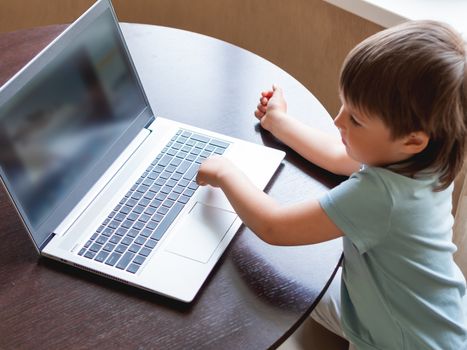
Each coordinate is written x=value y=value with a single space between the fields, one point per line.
x=277 y=90
x=259 y=114
x=262 y=108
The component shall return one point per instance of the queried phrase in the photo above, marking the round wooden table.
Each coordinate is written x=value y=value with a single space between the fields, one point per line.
x=256 y=296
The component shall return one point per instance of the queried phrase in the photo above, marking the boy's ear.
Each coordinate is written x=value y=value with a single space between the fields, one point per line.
x=415 y=142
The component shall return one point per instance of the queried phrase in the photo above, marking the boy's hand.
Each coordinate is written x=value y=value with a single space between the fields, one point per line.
x=212 y=170
x=271 y=107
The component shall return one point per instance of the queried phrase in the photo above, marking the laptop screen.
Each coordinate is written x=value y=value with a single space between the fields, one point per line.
x=57 y=127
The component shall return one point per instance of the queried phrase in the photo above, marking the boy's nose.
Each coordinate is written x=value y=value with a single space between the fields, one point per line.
x=338 y=120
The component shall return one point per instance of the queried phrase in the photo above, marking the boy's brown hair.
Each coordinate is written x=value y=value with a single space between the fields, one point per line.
x=414 y=77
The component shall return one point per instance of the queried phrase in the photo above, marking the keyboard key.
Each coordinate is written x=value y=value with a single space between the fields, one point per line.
x=183 y=199
x=166 y=190
x=101 y=256
x=181 y=154
x=127 y=240
x=136 y=195
x=165 y=160
x=167 y=221
x=157 y=217
x=115 y=239
x=125 y=260
x=139 y=259
x=168 y=203
x=149 y=195
x=133 y=268
x=161 y=196
x=151 y=243
x=163 y=210
x=188 y=192
x=101 y=239
x=173 y=196
x=176 y=161
x=127 y=224
x=133 y=216
x=178 y=189
x=121 y=231
x=165 y=175
x=121 y=248
x=132 y=233
x=89 y=255
x=140 y=240
x=145 y=201
x=193 y=185
x=155 y=203
x=114 y=224
x=82 y=251
x=147 y=231
x=191 y=157
x=144 y=218
x=95 y=247
x=219 y=143
x=160 y=182
x=134 y=248
x=171 y=183
x=109 y=247
x=201 y=138
x=138 y=225
x=113 y=258
x=108 y=231
x=145 y=251
x=150 y=211
x=183 y=167
x=176 y=177
x=151 y=226
x=138 y=209
x=155 y=188
x=191 y=172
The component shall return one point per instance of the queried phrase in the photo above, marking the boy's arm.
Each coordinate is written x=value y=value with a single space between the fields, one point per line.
x=324 y=150
x=304 y=223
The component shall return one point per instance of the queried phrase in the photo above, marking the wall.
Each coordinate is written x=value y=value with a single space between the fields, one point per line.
x=307 y=38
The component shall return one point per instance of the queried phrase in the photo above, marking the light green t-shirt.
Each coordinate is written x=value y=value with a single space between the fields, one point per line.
x=400 y=286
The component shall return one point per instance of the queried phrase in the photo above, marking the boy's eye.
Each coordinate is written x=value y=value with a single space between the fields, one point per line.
x=354 y=121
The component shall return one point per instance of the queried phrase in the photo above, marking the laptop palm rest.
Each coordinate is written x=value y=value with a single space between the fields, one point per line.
x=200 y=232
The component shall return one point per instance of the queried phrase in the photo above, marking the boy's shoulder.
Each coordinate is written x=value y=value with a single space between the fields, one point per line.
x=390 y=179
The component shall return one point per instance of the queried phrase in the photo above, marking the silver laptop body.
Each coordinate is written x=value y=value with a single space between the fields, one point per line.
x=81 y=154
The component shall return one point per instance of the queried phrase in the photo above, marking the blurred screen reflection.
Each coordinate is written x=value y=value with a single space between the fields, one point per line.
x=64 y=120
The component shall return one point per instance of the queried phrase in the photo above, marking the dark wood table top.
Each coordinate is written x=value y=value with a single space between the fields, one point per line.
x=257 y=294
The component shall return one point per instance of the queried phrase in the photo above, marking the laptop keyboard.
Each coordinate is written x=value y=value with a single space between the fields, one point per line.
x=135 y=226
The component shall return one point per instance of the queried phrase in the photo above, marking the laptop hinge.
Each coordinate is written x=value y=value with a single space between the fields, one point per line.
x=150 y=121
x=46 y=241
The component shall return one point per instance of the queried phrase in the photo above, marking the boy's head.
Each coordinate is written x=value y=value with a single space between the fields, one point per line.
x=414 y=78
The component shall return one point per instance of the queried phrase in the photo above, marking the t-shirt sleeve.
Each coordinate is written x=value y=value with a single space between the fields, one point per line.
x=361 y=208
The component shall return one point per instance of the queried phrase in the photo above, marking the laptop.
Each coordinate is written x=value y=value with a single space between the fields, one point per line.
x=103 y=184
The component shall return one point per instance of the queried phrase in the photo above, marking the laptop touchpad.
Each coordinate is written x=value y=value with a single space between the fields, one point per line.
x=200 y=232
